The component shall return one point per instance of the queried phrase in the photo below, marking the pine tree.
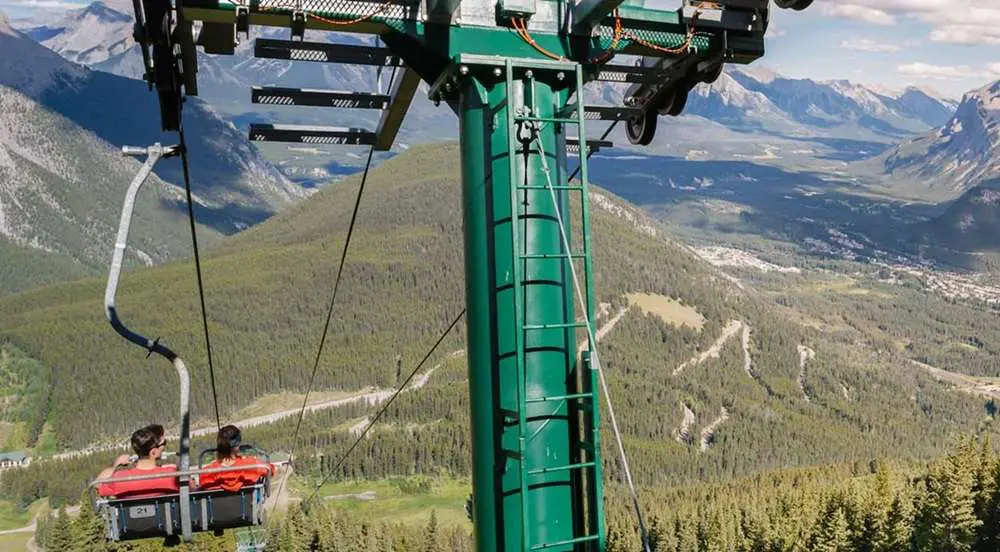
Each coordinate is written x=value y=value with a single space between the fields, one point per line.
x=89 y=531
x=899 y=526
x=949 y=509
x=658 y=535
x=42 y=527
x=431 y=537
x=831 y=533
x=708 y=535
x=616 y=541
x=61 y=535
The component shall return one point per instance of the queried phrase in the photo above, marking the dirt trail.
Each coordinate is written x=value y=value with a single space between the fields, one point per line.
x=805 y=354
x=684 y=433
x=30 y=528
x=357 y=428
x=281 y=494
x=968 y=384
x=747 y=363
x=370 y=396
x=713 y=352
x=709 y=431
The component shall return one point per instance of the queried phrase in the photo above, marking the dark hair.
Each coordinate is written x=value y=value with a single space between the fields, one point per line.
x=227 y=442
x=157 y=430
x=144 y=440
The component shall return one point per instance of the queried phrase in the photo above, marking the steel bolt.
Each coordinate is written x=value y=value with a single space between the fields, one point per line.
x=529 y=74
x=560 y=75
x=464 y=70
x=497 y=72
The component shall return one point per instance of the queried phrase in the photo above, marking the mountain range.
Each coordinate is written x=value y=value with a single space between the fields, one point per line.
x=62 y=177
x=962 y=153
x=747 y=99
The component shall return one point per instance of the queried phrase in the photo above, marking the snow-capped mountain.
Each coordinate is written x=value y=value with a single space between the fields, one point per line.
x=62 y=176
x=845 y=109
x=748 y=99
x=229 y=175
x=961 y=154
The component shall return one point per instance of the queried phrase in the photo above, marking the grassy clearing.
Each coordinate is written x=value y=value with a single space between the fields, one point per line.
x=406 y=500
x=670 y=310
x=15 y=542
x=14 y=518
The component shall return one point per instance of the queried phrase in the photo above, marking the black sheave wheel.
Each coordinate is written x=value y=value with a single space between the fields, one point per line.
x=641 y=129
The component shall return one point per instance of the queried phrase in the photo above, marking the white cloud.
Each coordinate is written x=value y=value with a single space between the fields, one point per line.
x=929 y=71
x=972 y=25
x=868 y=45
x=994 y=68
x=858 y=13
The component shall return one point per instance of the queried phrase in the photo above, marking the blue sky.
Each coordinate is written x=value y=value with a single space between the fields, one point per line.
x=929 y=43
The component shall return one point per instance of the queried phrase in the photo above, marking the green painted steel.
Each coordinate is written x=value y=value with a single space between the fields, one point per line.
x=536 y=477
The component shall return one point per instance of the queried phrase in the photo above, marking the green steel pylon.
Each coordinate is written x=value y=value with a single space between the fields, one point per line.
x=537 y=476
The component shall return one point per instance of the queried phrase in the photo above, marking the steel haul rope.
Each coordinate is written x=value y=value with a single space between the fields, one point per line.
x=197 y=260
x=386 y=406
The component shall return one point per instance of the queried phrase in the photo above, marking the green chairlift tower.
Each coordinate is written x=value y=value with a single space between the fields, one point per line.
x=514 y=72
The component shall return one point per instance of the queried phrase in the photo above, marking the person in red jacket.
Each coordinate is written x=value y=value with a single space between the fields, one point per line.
x=149 y=445
x=227 y=453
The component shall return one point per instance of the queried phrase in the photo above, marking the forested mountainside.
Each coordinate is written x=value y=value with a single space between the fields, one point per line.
x=61 y=193
x=727 y=393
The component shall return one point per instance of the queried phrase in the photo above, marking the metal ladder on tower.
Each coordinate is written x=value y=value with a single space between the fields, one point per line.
x=586 y=463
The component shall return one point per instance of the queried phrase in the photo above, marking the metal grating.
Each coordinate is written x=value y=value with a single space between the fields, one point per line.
x=311 y=134
x=573 y=145
x=268 y=95
x=354 y=54
x=344 y=9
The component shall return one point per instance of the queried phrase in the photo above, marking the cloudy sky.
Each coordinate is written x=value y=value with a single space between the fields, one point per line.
x=944 y=44
x=948 y=45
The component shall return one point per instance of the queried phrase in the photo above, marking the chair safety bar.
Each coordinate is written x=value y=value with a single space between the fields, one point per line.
x=188 y=473
x=153 y=154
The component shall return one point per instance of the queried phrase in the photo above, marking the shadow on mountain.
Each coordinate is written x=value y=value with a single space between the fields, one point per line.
x=845 y=149
x=227 y=219
x=123 y=112
x=736 y=197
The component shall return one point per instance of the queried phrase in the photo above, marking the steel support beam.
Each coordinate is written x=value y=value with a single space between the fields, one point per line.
x=588 y=14
x=311 y=134
x=324 y=52
x=403 y=90
x=273 y=95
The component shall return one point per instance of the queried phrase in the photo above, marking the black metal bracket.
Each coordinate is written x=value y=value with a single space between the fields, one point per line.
x=298 y=25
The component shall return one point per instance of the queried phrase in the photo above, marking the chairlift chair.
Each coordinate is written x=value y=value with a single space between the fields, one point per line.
x=191 y=509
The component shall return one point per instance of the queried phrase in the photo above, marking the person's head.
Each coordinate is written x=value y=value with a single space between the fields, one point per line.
x=148 y=443
x=157 y=430
x=228 y=442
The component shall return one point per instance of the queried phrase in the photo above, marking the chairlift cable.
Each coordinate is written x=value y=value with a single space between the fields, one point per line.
x=197 y=263
x=386 y=406
x=333 y=299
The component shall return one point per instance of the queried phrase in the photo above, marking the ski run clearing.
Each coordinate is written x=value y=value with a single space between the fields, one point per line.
x=708 y=433
x=684 y=433
x=728 y=333
x=806 y=354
